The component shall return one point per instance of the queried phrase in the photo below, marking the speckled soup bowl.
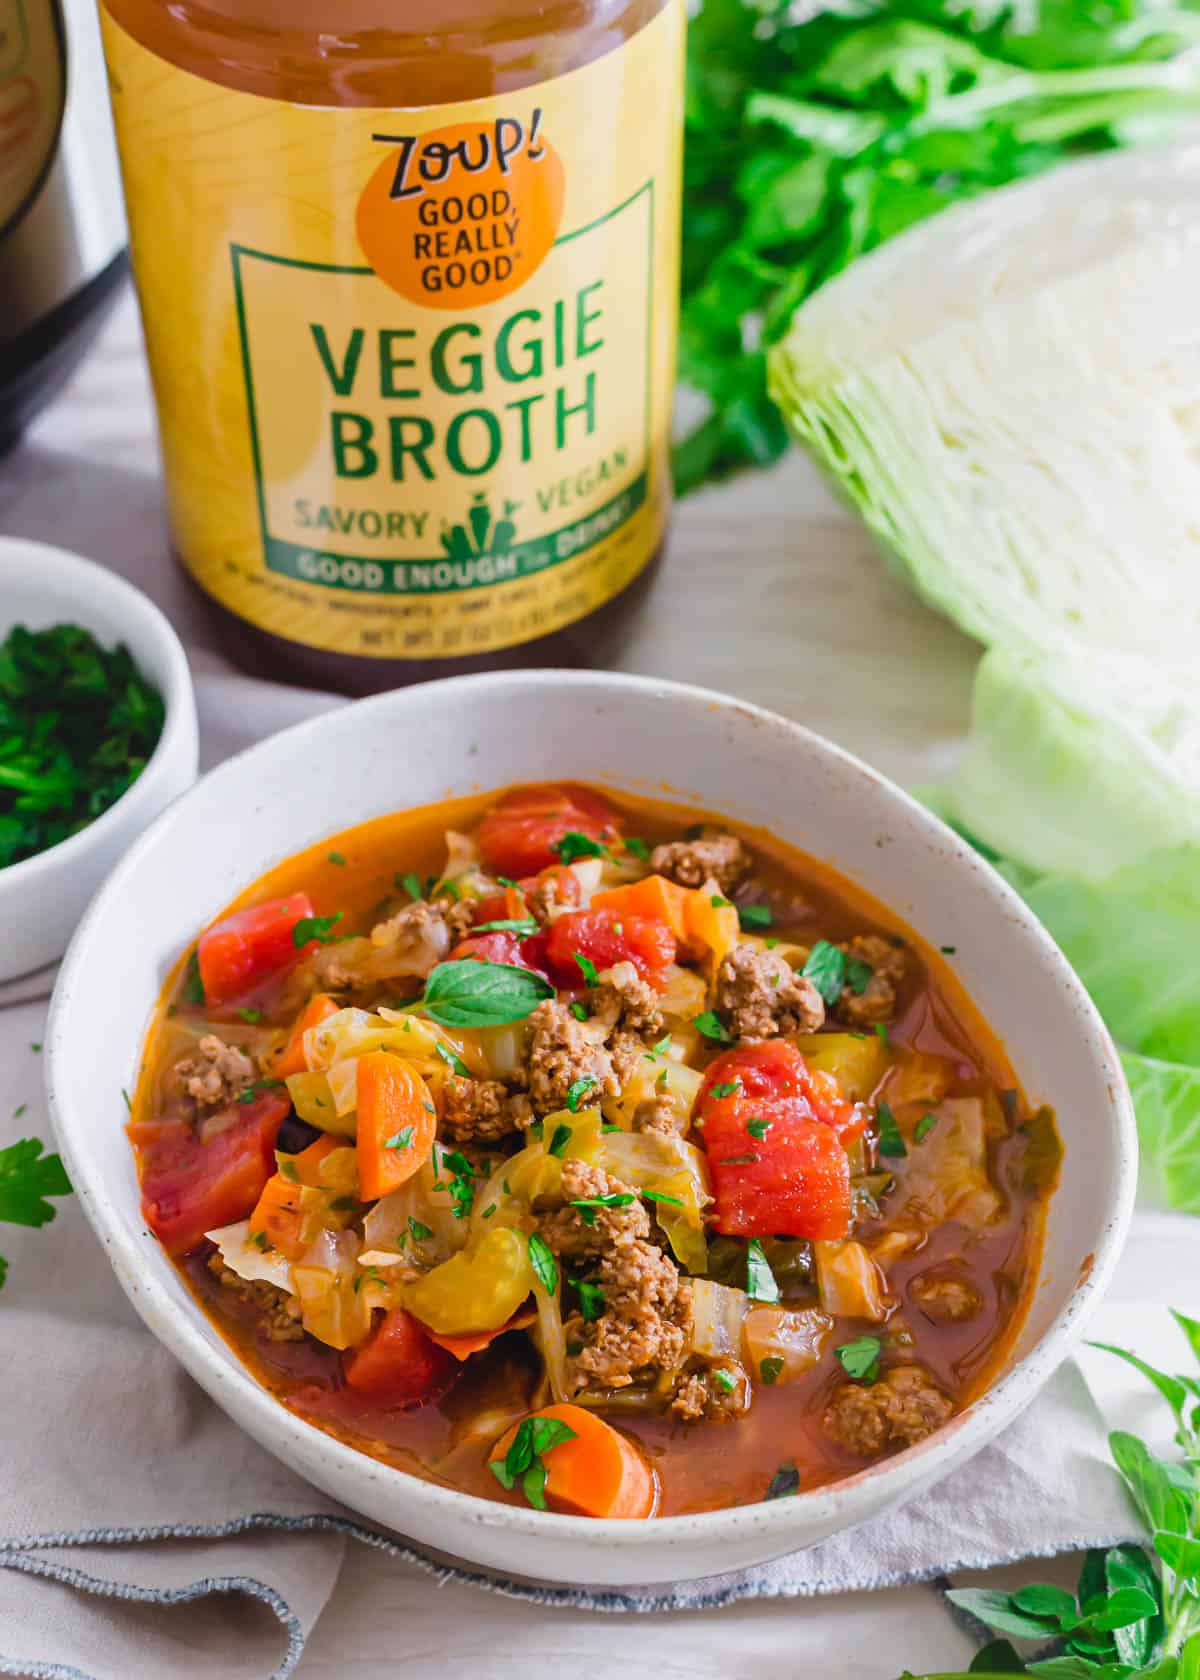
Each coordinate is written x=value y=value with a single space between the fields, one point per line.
x=422 y=744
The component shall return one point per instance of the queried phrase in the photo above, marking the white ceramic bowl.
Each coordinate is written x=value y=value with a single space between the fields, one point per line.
x=453 y=737
x=43 y=897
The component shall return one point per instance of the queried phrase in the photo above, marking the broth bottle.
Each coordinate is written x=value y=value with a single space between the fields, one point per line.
x=408 y=279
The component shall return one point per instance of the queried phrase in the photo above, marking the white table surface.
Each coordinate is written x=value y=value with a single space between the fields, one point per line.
x=769 y=590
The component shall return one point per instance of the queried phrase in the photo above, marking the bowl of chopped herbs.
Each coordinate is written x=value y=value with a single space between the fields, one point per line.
x=97 y=736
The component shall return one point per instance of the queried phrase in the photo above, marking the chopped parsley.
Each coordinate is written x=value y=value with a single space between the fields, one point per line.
x=713 y=1027
x=251 y=1016
x=726 y=1379
x=318 y=928
x=336 y=857
x=403 y=1139
x=417 y=1231
x=411 y=884
x=890 y=1141
x=860 y=1358
x=881 y=1033
x=755 y=915
x=574 y=845
x=579 y=1090
x=580 y=1011
x=587 y=1205
x=826 y=968
x=719 y=903
x=784 y=1482
x=948 y=950
x=560 y=1140
x=661 y=1196
x=523 y=926
x=460 y=1184
x=637 y=848
x=760 y=1279
x=193 y=985
x=923 y=1127
x=27 y=1178
x=452 y=1060
x=587 y=968
x=254 y=1091
x=726 y=1088
x=859 y=975
x=758 y=1128
x=592 y=1302
x=545 y=1266
x=770 y=1369
x=524 y=1462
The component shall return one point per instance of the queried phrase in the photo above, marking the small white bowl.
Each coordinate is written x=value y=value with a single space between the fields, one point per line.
x=43 y=897
x=633 y=733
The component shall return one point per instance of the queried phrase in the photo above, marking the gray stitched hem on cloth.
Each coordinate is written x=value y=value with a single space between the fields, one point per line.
x=15 y=1554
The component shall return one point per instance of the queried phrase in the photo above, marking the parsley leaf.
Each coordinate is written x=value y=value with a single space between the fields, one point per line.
x=452 y=1060
x=522 y=926
x=726 y=1088
x=859 y=975
x=662 y=1197
x=336 y=857
x=545 y=1266
x=771 y=1368
x=402 y=1139
x=319 y=928
x=758 y=1128
x=712 y=1027
x=524 y=1461
x=27 y=1177
x=251 y=1016
x=559 y=1142
x=860 y=1358
x=193 y=985
x=637 y=848
x=760 y=1279
x=784 y=1482
x=592 y=1301
x=755 y=915
x=574 y=845
x=417 y=1231
x=890 y=1141
x=923 y=1127
x=411 y=884
x=579 y=1090
x=826 y=968
x=580 y=1011
x=587 y=968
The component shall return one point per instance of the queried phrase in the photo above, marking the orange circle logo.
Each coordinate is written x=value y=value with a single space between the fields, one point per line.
x=462 y=215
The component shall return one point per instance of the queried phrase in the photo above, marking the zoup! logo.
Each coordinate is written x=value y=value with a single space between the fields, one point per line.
x=462 y=215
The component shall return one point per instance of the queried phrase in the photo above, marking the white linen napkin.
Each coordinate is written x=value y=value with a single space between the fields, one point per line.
x=127 y=1499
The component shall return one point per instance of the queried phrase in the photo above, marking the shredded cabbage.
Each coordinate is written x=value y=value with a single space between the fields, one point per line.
x=849 y=1281
x=795 y=1337
x=248 y=1260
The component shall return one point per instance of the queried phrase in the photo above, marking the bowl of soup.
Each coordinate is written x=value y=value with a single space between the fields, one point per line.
x=588 y=1124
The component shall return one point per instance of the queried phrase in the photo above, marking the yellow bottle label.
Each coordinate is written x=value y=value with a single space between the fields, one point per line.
x=413 y=367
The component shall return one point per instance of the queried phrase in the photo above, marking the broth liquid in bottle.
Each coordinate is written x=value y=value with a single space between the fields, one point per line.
x=408 y=278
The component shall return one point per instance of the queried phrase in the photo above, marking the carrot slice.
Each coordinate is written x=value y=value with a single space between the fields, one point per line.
x=600 y=1473
x=656 y=897
x=291 y=1058
x=307 y=1165
x=397 y=1123
x=474 y=1341
x=279 y=1217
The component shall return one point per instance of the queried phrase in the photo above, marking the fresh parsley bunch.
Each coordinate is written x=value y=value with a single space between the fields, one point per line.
x=812 y=139
x=1136 y=1613
x=27 y=1178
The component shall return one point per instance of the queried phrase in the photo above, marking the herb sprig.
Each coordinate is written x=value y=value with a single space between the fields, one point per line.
x=27 y=1178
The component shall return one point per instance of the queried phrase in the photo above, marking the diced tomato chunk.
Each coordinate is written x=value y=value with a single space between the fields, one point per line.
x=193 y=1183
x=398 y=1365
x=516 y=836
x=243 y=949
x=776 y=1069
x=792 y=1181
x=605 y=937
x=504 y=947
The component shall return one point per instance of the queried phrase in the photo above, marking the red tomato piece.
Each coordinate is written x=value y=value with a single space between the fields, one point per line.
x=191 y=1185
x=793 y=1181
x=776 y=1069
x=504 y=947
x=517 y=834
x=605 y=937
x=243 y=949
x=398 y=1365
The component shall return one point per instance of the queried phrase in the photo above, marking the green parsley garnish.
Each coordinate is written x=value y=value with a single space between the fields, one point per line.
x=580 y=1011
x=317 y=928
x=467 y=993
x=760 y=1279
x=452 y=1060
x=402 y=1139
x=251 y=1016
x=545 y=1266
x=948 y=950
x=193 y=985
x=27 y=1178
x=661 y=1196
x=560 y=1140
x=923 y=1127
x=587 y=968
x=254 y=1091
x=712 y=1027
x=755 y=915
x=890 y=1141
x=411 y=884
x=719 y=903
x=826 y=968
x=784 y=1482
x=460 y=1185
x=579 y=1090
x=881 y=1032
x=758 y=1128
x=587 y=1205
x=592 y=1302
x=770 y=1369
x=574 y=845
x=522 y=926
x=524 y=1461
x=726 y=1088
x=417 y=1231
x=726 y=1379
x=860 y=1358
x=78 y=724
x=637 y=848
x=336 y=857
x=859 y=975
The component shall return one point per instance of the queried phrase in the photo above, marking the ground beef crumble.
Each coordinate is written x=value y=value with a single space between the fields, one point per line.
x=278 y=1312
x=900 y=1409
x=563 y=1050
x=216 y=1074
x=758 y=996
x=714 y=856
x=945 y=1298
x=646 y=1325
x=716 y=1394
x=877 y=1001
x=481 y=1110
x=624 y=999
